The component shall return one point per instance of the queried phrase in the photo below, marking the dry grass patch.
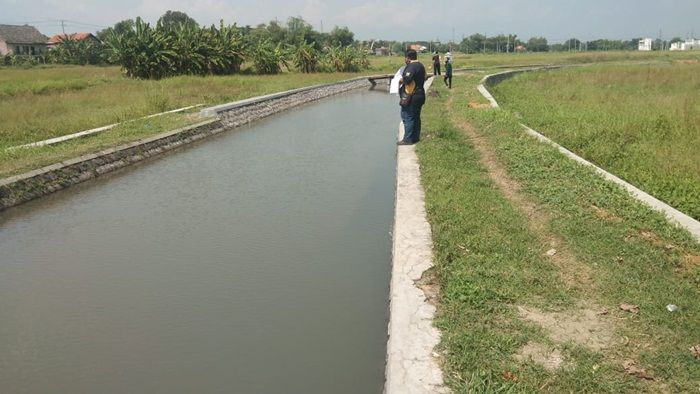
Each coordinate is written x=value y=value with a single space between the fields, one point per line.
x=584 y=326
x=549 y=358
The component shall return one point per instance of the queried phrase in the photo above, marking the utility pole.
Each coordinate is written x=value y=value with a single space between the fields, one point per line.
x=508 y=44
x=321 y=26
x=63 y=26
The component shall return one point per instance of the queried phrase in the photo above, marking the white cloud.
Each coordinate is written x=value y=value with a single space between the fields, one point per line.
x=315 y=11
x=205 y=12
x=390 y=14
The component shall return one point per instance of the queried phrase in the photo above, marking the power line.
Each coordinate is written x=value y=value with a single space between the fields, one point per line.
x=85 y=24
x=60 y=22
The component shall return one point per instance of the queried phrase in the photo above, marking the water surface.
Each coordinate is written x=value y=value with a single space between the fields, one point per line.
x=253 y=262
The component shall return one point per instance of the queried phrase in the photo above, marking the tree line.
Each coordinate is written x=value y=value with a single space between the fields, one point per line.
x=479 y=43
x=178 y=45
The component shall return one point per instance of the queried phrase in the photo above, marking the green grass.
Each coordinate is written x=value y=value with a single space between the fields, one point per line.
x=14 y=161
x=488 y=261
x=639 y=122
x=47 y=102
x=44 y=103
x=478 y=60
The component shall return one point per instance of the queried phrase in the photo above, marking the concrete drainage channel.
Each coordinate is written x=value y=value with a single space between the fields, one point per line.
x=411 y=361
x=34 y=184
x=677 y=217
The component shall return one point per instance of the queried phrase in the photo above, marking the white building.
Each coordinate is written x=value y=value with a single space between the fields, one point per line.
x=645 y=44
x=688 y=45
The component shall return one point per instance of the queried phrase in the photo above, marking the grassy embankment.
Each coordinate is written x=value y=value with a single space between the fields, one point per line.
x=515 y=318
x=478 y=60
x=641 y=123
x=47 y=102
x=38 y=104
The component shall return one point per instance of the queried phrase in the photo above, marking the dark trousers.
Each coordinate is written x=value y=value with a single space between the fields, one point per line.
x=436 y=69
x=448 y=78
x=410 y=115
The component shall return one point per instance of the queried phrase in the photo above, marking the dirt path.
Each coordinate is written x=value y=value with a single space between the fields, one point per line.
x=588 y=324
x=576 y=275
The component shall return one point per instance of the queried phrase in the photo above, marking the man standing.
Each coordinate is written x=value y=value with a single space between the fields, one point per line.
x=436 y=63
x=412 y=98
x=448 y=72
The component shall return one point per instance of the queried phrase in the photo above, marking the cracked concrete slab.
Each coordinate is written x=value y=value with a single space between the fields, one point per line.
x=411 y=364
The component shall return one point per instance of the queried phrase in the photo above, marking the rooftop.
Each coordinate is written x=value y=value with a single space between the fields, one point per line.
x=21 y=34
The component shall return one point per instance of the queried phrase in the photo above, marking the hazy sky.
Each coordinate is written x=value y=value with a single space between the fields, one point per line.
x=404 y=20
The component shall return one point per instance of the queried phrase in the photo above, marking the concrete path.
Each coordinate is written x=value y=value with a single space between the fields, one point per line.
x=412 y=365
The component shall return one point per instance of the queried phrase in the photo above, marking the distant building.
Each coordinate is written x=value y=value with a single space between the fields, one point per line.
x=687 y=45
x=21 y=40
x=645 y=44
x=417 y=47
x=520 y=48
x=58 y=38
x=381 y=51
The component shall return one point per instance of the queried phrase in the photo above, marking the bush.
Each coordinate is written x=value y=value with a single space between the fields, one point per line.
x=22 y=60
x=268 y=58
x=70 y=51
x=348 y=59
x=153 y=53
x=306 y=58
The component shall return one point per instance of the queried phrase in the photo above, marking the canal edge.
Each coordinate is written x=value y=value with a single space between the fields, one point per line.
x=412 y=362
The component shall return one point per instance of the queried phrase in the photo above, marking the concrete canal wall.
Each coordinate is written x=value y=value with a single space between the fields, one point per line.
x=412 y=360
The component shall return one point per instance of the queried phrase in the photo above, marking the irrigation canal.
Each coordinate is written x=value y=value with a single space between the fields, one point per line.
x=256 y=261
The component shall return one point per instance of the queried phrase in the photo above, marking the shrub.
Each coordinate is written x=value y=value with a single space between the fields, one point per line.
x=268 y=58
x=153 y=53
x=306 y=58
x=347 y=59
x=71 y=51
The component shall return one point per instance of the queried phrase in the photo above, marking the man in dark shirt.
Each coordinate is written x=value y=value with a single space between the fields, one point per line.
x=448 y=72
x=412 y=98
x=436 y=63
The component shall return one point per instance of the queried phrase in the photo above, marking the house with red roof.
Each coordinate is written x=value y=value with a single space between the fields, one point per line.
x=58 y=38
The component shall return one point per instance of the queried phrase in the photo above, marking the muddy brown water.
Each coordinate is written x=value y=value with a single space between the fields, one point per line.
x=253 y=262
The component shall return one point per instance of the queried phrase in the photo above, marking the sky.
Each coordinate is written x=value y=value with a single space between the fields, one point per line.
x=401 y=20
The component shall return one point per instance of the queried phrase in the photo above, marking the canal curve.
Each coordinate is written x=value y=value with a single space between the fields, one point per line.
x=255 y=261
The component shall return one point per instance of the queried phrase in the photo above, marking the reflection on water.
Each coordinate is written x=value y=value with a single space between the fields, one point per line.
x=255 y=262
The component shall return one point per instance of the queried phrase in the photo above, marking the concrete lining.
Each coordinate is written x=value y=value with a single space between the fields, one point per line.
x=215 y=110
x=675 y=216
x=412 y=365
